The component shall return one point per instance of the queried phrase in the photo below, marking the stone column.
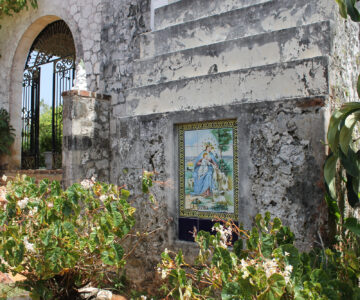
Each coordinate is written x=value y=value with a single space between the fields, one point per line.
x=86 y=132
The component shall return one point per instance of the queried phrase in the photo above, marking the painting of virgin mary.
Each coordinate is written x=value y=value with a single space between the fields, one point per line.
x=208 y=185
x=204 y=183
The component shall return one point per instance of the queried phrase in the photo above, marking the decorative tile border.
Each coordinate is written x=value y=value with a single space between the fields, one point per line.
x=208 y=213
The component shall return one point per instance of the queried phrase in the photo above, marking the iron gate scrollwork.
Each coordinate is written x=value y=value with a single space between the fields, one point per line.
x=55 y=46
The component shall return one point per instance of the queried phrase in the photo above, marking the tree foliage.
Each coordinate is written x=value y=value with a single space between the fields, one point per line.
x=6 y=132
x=223 y=137
x=45 y=127
x=9 y=7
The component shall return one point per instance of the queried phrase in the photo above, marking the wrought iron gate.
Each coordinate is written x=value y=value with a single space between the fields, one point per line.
x=55 y=46
x=30 y=119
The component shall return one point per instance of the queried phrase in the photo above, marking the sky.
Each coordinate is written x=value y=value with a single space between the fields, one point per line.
x=46 y=82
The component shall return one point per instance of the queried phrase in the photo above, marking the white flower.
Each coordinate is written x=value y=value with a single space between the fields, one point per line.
x=225 y=233
x=287 y=253
x=22 y=203
x=103 y=198
x=163 y=274
x=29 y=246
x=166 y=251
x=287 y=273
x=87 y=184
x=244 y=264
x=246 y=274
x=143 y=297
x=33 y=211
x=4 y=178
x=270 y=267
x=50 y=205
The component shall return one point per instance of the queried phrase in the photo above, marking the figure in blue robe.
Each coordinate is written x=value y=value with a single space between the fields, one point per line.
x=203 y=181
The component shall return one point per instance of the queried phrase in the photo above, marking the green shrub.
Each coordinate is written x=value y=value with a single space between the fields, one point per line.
x=262 y=264
x=6 y=132
x=63 y=239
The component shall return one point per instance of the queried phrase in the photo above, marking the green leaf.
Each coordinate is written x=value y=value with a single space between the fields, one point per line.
x=352 y=11
x=353 y=225
x=293 y=256
x=333 y=130
x=125 y=194
x=267 y=244
x=342 y=8
x=346 y=130
x=350 y=162
x=179 y=259
x=107 y=258
x=238 y=247
x=276 y=288
x=119 y=252
x=232 y=290
x=276 y=224
x=329 y=176
x=352 y=188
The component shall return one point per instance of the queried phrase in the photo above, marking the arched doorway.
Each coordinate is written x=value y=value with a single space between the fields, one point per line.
x=49 y=70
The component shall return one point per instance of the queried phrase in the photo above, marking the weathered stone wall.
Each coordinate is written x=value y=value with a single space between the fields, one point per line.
x=344 y=62
x=86 y=140
x=123 y=22
x=278 y=148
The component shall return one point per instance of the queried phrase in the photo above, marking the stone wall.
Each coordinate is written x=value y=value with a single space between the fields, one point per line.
x=85 y=136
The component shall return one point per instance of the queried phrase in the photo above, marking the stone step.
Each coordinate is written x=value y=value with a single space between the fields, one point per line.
x=263 y=49
x=248 y=21
x=190 y=10
x=265 y=83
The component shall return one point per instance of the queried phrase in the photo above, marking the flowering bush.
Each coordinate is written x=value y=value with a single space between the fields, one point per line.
x=60 y=239
x=269 y=267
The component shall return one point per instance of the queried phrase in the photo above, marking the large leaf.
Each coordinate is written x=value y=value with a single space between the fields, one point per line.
x=350 y=162
x=333 y=131
x=353 y=225
x=276 y=288
x=330 y=173
x=352 y=188
x=352 y=11
x=347 y=127
x=342 y=8
x=292 y=256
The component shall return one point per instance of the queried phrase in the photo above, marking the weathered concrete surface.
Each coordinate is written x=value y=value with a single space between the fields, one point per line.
x=189 y=10
x=296 y=79
x=86 y=136
x=280 y=161
x=255 y=19
x=269 y=48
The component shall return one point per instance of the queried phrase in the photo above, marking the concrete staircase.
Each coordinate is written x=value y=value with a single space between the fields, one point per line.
x=209 y=52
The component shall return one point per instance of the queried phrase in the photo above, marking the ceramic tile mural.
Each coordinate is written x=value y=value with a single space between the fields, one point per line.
x=208 y=170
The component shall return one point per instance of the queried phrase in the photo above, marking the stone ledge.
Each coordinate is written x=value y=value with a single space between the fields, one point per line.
x=86 y=94
x=35 y=171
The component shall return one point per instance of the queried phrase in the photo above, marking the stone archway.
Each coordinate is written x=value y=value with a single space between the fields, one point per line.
x=49 y=71
x=16 y=81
